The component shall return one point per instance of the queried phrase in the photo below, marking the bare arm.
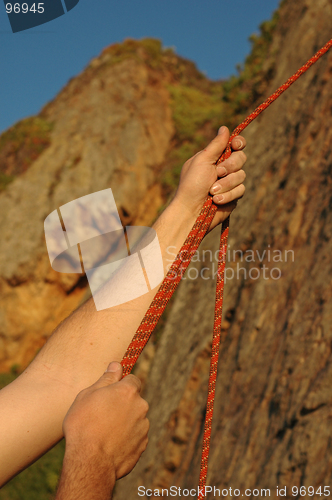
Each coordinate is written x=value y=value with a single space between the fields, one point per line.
x=85 y=477
x=33 y=407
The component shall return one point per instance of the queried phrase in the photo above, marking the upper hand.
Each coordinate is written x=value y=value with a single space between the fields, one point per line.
x=200 y=176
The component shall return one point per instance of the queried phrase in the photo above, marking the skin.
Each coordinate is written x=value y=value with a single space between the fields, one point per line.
x=33 y=407
x=96 y=453
x=200 y=176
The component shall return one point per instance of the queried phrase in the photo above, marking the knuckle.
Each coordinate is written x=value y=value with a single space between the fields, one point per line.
x=129 y=389
x=145 y=406
x=230 y=196
x=231 y=162
x=243 y=156
x=133 y=382
x=145 y=444
x=135 y=379
x=224 y=186
x=145 y=428
x=132 y=389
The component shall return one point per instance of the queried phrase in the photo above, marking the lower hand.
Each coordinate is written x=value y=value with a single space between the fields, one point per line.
x=108 y=421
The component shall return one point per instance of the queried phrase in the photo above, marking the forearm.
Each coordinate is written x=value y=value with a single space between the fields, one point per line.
x=83 y=345
x=85 y=477
x=72 y=359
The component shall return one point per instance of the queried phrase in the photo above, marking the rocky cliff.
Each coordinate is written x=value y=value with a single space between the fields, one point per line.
x=273 y=402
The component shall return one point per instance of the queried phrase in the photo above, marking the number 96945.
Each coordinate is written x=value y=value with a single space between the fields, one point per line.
x=17 y=8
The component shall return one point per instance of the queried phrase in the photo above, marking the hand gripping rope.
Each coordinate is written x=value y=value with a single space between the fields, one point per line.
x=180 y=265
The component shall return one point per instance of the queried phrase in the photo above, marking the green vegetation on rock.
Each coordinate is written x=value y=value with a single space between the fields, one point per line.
x=21 y=145
x=148 y=50
x=199 y=110
x=192 y=108
x=242 y=91
x=195 y=114
x=5 y=180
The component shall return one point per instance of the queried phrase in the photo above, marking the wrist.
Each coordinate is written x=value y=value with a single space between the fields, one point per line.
x=86 y=467
x=186 y=214
x=87 y=449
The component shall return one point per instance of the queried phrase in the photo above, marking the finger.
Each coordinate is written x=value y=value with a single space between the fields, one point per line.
x=232 y=195
x=132 y=381
x=112 y=375
x=216 y=147
x=238 y=143
x=228 y=183
x=225 y=210
x=114 y=367
x=232 y=164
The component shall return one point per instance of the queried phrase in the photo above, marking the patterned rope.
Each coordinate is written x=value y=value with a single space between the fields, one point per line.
x=221 y=269
x=180 y=265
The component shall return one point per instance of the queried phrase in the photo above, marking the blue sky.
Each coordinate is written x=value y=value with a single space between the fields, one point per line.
x=35 y=64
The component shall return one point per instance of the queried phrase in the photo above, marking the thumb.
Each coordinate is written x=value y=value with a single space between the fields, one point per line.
x=112 y=374
x=217 y=146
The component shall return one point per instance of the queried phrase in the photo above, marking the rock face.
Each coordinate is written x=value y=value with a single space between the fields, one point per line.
x=273 y=401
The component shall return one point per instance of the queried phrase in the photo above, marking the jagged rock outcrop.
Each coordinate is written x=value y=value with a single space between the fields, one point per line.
x=274 y=400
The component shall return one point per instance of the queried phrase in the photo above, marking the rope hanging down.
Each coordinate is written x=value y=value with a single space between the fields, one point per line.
x=180 y=265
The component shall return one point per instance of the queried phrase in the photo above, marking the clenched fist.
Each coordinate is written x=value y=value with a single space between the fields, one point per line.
x=106 y=431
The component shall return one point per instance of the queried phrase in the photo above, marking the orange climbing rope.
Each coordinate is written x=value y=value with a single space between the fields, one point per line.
x=180 y=265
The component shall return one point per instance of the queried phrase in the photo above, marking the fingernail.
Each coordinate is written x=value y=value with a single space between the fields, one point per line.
x=219 y=198
x=222 y=130
x=238 y=143
x=113 y=367
x=221 y=171
x=214 y=189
